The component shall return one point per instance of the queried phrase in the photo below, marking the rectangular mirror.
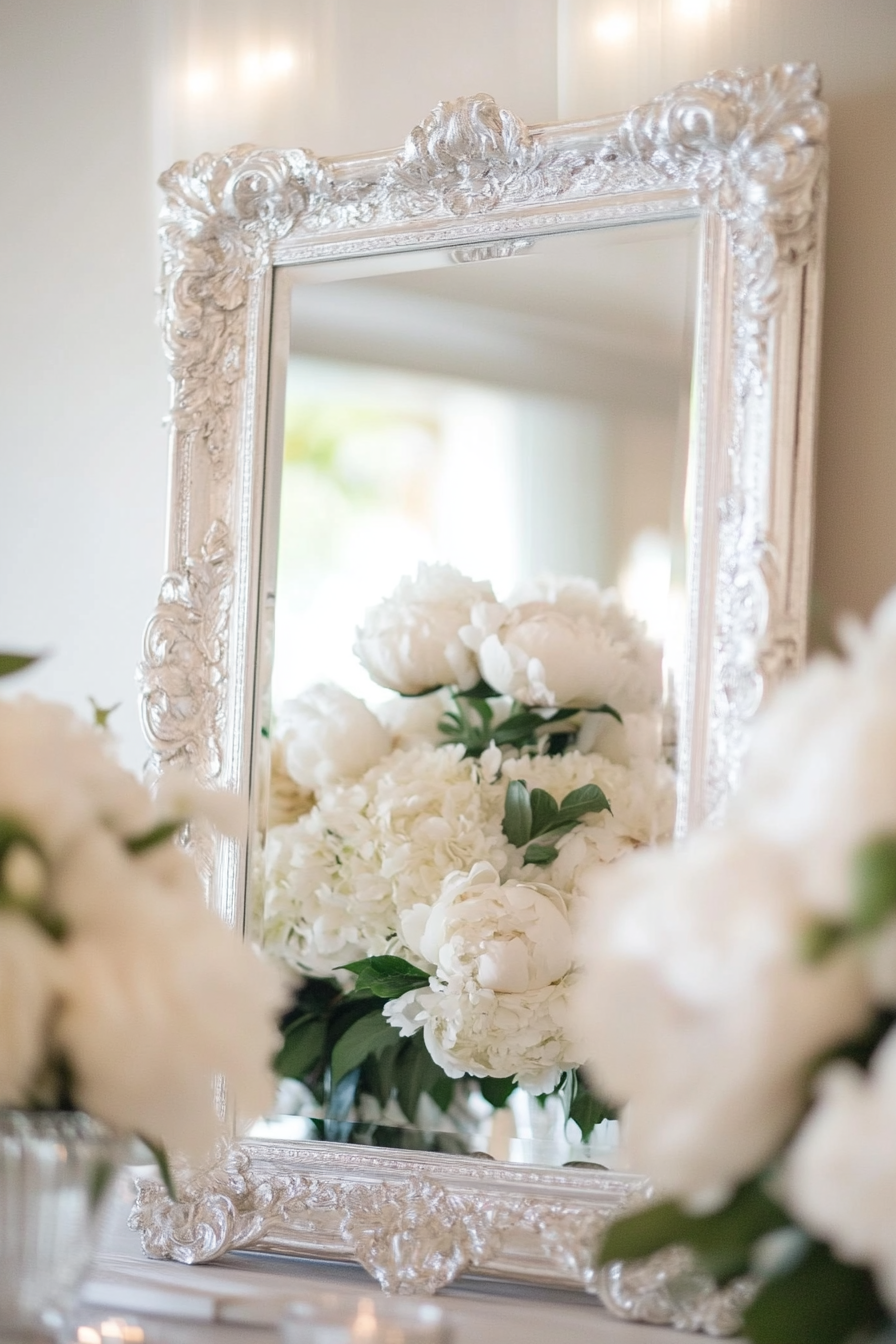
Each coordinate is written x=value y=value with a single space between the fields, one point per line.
x=583 y=350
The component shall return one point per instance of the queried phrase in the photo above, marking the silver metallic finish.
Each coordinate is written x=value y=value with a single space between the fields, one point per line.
x=745 y=152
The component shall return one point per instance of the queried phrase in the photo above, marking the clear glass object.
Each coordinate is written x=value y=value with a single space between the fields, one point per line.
x=365 y=1321
x=55 y=1169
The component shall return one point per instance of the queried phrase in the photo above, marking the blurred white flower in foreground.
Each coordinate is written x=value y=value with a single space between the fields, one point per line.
x=820 y=776
x=112 y=966
x=699 y=1011
x=840 y=1176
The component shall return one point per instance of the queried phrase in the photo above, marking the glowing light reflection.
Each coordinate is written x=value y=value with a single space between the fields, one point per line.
x=615 y=29
x=262 y=67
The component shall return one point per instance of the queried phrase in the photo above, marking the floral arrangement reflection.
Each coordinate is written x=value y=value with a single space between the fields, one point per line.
x=423 y=870
x=739 y=999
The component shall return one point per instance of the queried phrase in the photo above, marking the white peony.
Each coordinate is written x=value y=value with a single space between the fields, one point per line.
x=414 y=720
x=501 y=954
x=583 y=653
x=58 y=775
x=29 y=963
x=328 y=735
x=142 y=993
x=840 y=1175
x=411 y=642
x=819 y=779
x=151 y=1013
x=698 y=1011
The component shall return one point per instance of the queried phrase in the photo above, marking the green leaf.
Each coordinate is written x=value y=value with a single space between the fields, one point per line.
x=517 y=825
x=100 y=1179
x=442 y=1091
x=519 y=730
x=589 y=798
x=540 y=854
x=17 y=662
x=386 y=977
x=157 y=835
x=417 y=1072
x=303 y=1044
x=722 y=1240
x=874 y=884
x=819 y=1301
x=497 y=1090
x=101 y=716
x=160 y=1156
x=821 y=938
x=544 y=811
x=588 y=1110
x=368 y=1036
x=607 y=709
x=378 y=1073
x=481 y=691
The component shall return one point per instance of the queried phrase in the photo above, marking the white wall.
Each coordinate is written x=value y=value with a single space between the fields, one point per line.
x=94 y=103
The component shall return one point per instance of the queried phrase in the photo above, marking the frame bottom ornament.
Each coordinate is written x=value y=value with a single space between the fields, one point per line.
x=416 y=1223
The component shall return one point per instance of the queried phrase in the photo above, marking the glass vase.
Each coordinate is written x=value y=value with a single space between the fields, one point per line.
x=55 y=1168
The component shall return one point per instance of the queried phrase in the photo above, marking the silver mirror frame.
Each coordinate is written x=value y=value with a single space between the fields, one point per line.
x=747 y=152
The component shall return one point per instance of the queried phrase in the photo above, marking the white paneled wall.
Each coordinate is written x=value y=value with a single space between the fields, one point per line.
x=96 y=97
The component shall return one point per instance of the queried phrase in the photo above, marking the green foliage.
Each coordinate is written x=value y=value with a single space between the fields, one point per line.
x=723 y=1241
x=817 y=1301
x=497 y=1090
x=304 y=1041
x=101 y=716
x=156 y=835
x=471 y=722
x=385 y=977
x=874 y=884
x=527 y=816
x=873 y=887
x=587 y=1109
x=16 y=662
x=160 y=1156
x=370 y=1035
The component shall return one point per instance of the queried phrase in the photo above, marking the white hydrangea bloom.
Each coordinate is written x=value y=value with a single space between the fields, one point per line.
x=329 y=736
x=339 y=878
x=840 y=1175
x=497 y=1001
x=580 y=647
x=698 y=1010
x=411 y=641
x=642 y=799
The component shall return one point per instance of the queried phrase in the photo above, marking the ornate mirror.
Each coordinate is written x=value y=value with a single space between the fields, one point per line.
x=582 y=349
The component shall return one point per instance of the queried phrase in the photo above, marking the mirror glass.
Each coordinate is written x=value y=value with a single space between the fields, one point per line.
x=516 y=410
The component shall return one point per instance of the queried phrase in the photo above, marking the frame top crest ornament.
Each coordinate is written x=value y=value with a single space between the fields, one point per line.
x=744 y=151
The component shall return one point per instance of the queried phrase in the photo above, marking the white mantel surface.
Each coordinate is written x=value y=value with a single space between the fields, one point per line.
x=240 y=1298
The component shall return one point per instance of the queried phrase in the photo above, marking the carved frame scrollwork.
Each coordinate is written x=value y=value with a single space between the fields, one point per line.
x=747 y=152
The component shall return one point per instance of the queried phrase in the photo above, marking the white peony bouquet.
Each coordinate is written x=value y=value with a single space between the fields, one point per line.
x=429 y=880
x=121 y=994
x=739 y=999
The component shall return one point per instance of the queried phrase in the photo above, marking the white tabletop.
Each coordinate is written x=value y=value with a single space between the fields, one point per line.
x=240 y=1299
